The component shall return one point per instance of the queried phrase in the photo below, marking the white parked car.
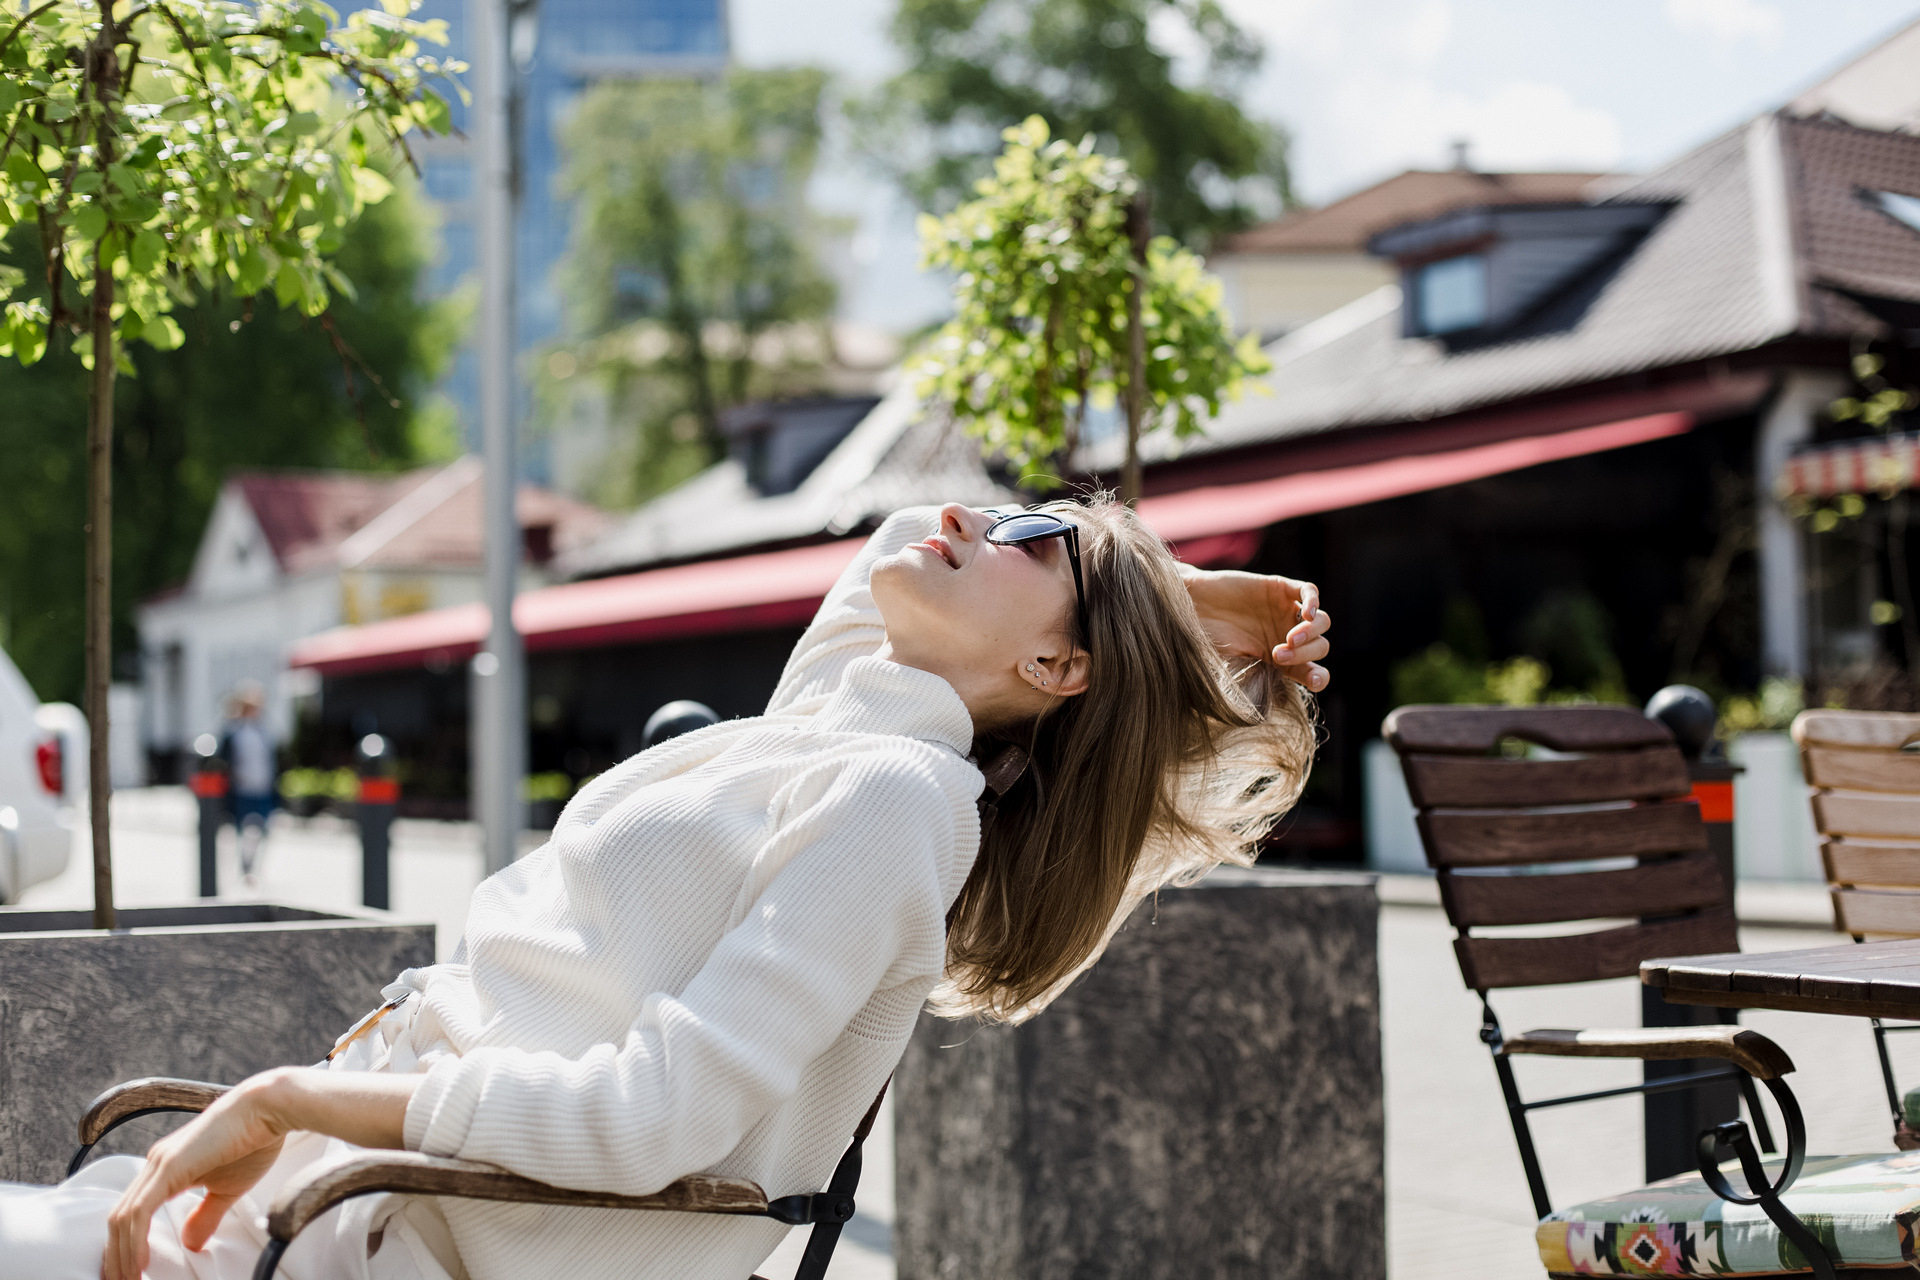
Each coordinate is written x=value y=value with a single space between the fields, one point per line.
x=43 y=783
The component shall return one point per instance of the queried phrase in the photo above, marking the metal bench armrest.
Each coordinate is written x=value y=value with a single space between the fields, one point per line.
x=1744 y=1048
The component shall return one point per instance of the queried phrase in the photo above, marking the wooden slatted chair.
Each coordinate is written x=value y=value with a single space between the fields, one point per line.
x=360 y=1173
x=1864 y=768
x=1603 y=831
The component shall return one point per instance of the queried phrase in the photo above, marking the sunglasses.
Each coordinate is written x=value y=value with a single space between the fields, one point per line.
x=1023 y=527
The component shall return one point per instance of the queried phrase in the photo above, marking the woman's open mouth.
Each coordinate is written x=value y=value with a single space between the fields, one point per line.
x=940 y=547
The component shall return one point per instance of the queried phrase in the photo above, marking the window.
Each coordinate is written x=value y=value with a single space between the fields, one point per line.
x=1903 y=209
x=1452 y=294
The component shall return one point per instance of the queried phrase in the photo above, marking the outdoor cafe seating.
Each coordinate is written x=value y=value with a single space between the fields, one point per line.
x=1548 y=816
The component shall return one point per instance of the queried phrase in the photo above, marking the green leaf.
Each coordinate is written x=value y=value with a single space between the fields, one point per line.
x=22 y=169
x=288 y=288
x=148 y=249
x=135 y=209
x=162 y=333
x=87 y=183
x=89 y=221
x=371 y=186
x=9 y=95
x=250 y=272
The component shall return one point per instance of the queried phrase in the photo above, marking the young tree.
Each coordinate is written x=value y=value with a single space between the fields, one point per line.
x=249 y=387
x=168 y=148
x=692 y=273
x=975 y=67
x=1062 y=302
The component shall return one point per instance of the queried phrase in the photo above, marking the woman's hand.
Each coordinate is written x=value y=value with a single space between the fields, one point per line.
x=226 y=1149
x=230 y=1146
x=1266 y=618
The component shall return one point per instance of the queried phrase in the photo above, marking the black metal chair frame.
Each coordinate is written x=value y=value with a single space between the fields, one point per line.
x=1732 y=1137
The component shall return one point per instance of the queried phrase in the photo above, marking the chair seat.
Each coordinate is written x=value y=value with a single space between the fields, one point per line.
x=1862 y=1208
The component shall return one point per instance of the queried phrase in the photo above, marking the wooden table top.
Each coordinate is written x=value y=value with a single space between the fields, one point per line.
x=1864 y=979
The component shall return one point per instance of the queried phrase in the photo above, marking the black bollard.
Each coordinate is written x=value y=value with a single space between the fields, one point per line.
x=379 y=794
x=1673 y=1120
x=676 y=718
x=209 y=785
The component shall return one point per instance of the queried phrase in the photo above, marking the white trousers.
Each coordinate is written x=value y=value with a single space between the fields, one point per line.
x=60 y=1232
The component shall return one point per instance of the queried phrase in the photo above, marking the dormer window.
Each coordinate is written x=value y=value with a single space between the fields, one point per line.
x=1902 y=209
x=1451 y=295
x=1491 y=274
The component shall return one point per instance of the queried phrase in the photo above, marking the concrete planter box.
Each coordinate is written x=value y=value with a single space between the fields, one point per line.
x=1205 y=1103
x=209 y=992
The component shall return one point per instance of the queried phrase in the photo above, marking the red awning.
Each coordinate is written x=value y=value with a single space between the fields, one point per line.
x=778 y=588
x=1218 y=510
x=1885 y=466
x=1211 y=525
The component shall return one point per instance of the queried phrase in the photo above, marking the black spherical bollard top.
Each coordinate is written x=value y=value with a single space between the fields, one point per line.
x=677 y=718
x=1689 y=716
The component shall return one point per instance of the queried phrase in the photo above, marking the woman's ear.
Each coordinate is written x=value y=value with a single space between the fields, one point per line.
x=1063 y=677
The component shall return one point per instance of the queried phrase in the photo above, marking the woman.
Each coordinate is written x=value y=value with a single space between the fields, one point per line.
x=718 y=958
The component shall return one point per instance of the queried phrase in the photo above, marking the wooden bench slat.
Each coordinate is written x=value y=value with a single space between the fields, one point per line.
x=1862 y=770
x=1876 y=911
x=1458 y=730
x=1661 y=888
x=1851 y=862
x=1469 y=781
x=1853 y=813
x=1488 y=963
x=1492 y=838
x=1885 y=730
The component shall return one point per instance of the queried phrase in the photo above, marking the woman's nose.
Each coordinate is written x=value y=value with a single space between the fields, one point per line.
x=962 y=521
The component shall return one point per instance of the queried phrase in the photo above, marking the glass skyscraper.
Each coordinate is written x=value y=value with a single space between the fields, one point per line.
x=575 y=42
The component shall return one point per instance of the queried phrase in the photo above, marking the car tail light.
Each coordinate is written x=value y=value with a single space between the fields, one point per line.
x=50 y=760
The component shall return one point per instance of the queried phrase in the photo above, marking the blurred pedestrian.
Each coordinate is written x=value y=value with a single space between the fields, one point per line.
x=247 y=748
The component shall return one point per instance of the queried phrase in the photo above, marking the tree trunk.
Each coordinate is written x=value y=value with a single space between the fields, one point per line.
x=1139 y=231
x=100 y=583
x=103 y=69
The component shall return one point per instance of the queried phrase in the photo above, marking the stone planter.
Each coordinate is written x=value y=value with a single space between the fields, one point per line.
x=1206 y=1102
x=209 y=992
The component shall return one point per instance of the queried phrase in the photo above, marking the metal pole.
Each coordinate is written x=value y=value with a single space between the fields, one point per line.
x=499 y=672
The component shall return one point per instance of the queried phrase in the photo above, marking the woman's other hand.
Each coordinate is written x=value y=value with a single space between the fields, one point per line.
x=1264 y=617
x=230 y=1146
x=226 y=1149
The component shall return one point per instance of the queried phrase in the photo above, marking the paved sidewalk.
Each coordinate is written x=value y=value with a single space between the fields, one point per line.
x=1457 y=1203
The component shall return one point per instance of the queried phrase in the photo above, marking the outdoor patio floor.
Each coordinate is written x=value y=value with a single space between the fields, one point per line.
x=1457 y=1202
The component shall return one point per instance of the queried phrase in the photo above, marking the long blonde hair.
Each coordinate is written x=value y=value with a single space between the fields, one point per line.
x=1166 y=766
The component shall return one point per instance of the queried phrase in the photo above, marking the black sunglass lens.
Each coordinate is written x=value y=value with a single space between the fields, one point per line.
x=1027 y=526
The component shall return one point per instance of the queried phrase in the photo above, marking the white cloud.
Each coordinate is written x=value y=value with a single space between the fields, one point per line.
x=1421 y=36
x=1754 y=20
x=1376 y=125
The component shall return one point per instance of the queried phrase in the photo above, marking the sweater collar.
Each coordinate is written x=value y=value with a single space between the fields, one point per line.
x=877 y=696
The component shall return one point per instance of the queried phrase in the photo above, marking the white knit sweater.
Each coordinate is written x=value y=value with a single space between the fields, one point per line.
x=712 y=966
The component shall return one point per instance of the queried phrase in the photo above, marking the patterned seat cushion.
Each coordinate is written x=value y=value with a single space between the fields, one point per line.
x=1862 y=1208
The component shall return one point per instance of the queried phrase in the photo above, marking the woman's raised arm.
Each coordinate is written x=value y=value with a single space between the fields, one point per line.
x=1264 y=617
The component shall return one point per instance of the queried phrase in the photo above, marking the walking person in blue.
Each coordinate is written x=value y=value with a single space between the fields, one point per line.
x=247 y=748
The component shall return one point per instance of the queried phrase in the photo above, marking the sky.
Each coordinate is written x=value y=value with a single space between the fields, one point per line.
x=1366 y=88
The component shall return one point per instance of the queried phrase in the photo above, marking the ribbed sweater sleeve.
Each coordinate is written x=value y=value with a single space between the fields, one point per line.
x=848 y=624
x=855 y=908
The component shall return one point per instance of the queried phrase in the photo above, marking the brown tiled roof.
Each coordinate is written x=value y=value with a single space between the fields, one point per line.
x=1344 y=225
x=306 y=516
x=1845 y=242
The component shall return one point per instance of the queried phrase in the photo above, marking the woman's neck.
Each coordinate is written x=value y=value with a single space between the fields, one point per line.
x=982 y=695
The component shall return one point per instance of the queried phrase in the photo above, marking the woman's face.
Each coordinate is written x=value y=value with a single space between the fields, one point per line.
x=976 y=611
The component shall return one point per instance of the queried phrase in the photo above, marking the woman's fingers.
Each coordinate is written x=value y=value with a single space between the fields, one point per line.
x=205 y=1219
x=1306 y=642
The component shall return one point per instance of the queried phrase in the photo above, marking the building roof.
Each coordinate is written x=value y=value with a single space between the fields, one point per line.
x=898 y=456
x=426 y=518
x=1768 y=230
x=1345 y=225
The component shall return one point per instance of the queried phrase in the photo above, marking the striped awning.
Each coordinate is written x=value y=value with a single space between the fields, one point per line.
x=1883 y=465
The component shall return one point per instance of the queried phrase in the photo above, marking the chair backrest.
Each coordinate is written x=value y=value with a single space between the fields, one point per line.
x=1507 y=834
x=1866 y=805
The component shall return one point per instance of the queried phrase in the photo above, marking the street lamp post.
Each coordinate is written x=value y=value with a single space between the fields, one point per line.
x=499 y=670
